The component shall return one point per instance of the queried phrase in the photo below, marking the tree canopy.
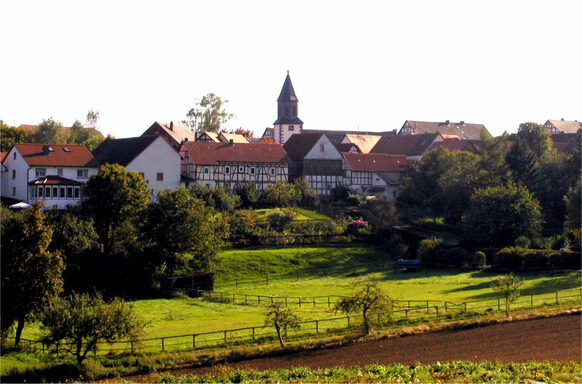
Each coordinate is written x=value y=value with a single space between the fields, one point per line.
x=208 y=114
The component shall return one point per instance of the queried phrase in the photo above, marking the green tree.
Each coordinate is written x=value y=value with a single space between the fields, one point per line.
x=282 y=318
x=380 y=213
x=114 y=200
x=499 y=215
x=537 y=138
x=522 y=163
x=50 y=131
x=493 y=152
x=366 y=296
x=80 y=322
x=280 y=194
x=307 y=196
x=574 y=208
x=179 y=223
x=10 y=135
x=248 y=195
x=209 y=114
x=508 y=288
x=31 y=275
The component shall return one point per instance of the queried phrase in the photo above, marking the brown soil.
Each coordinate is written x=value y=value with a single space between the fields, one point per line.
x=550 y=338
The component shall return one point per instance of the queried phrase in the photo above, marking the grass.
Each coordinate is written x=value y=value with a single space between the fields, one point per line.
x=302 y=214
x=451 y=372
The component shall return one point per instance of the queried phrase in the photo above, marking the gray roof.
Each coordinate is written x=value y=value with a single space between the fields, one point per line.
x=466 y=131
x=122 y=151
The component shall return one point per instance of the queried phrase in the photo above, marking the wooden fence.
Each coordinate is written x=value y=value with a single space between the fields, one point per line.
x=314 y=328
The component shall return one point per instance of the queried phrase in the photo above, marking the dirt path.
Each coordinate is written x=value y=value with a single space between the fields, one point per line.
x=552 y=338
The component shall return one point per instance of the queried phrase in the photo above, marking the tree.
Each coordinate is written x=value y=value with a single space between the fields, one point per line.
x=248 y=195
x=82 y=321
x=381 y=214
x=280 y=194
x=508 y=288
x=92 y=119
x=493 y=152
x=281 y=318
x=573 y=203
x=209 y=114
x=31 y=275
x=50 y=131
x=114 y=199
x=522 y=163
x=179 y=223
x=499 y=215
x=307 y=196
x=366 y=296
x=10 y=135
x=537 y=138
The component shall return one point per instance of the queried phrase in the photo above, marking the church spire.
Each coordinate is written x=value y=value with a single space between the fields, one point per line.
x=287 y=123
x=287 y=92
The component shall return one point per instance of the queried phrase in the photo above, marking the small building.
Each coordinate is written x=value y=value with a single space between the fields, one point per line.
x=49 y=173
x=374 y=174
x=151 y=156
x=315 y=157
x=464 y=131
x=174 y=134
x=231 y=165
x=411 y=146
x=562 y=126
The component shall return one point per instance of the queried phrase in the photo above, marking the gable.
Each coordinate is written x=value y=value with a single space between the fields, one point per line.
x=329 y=152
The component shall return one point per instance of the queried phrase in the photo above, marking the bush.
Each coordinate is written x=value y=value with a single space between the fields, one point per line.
x=522 y=242
x=280 y=219
x=358 y=227
x=517 y=259
x=340 y=193
x=280 y=194
x=456 y=257
x=479 y=260
x=428 y=250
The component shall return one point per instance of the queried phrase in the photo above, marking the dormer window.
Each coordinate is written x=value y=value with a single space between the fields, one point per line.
x=40 y=172
x=82 y=173
x=321 y=147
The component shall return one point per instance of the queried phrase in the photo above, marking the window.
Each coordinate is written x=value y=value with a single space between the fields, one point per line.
x=55 y=192
x=47 y=192
x=241 y=169
x=14 y=156
x=60 y=171
x=40 y=189
x=252 y=170
x=160 y=176
x=13 y=174
x=227 y=170
x=77 y=192
x=206 y=170
x=321 y=147
x=82 y=173
x=273 y=171
x=40 y=172
x=33 y=192
x=62 y=192
x=13 y=191
x=291 y=127
x=69 y=192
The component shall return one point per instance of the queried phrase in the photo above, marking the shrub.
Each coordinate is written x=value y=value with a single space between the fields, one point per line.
x=357 y=227
x=279 y=219
x=479 y=260
x=340 y=193
x=280 y=194
x=516 y=259
x=427 y=251
x=522 y=242
x=456 y=256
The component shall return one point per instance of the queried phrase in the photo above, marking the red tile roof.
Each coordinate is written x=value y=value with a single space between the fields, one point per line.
x=62 y=155
x=177 y=132
x=2 y=156
x=409 y=145
x=376 y=162
x=463 y=130
x=565 y=126
x=200 y=152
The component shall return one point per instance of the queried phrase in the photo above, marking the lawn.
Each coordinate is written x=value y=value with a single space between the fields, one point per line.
x=302 y=214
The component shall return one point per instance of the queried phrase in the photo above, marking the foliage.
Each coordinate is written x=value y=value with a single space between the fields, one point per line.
x=508 y=288
x=498 y=215
x=523 y=164
x=537 y=138
x=208 y=114
x=307 y=196
x=380 y=214
x=219 y=198
x=522 y=242
x=114 y=200
x=248 y=195
x=357 y=227
x=82 y=321
x=427 y=251
x=11 y=135
x=479 y=260
x=279 y=219
x=340 y=193
x=518 y=259
x=31 y=275
x=573 y=203
x=282 y=318
x=50 y=131
x=179 y=223
x=366 y=296
x=280 y=194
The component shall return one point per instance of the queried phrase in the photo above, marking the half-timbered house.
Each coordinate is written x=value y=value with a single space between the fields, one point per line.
x=377 y=174
x=231 y=165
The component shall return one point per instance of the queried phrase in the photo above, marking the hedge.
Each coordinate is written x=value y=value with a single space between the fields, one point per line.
x=517 y=259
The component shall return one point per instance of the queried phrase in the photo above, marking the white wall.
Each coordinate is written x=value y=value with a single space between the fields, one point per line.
x=158 y=157
x=330 y=152
x=283 y=133
x=17 y=167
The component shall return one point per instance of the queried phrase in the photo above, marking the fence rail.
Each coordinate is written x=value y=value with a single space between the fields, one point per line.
x=314 y=328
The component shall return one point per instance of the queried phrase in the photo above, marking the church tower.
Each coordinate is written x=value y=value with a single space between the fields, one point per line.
x=287 y=122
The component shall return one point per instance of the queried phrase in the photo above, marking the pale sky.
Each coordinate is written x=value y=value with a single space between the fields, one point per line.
x=359 y=64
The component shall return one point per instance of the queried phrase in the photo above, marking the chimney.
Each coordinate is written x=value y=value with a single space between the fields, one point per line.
x=45 y=149
x=171 y=125
x=447 y=122
x=562 y=119
x=462 y=122
x=231 y=142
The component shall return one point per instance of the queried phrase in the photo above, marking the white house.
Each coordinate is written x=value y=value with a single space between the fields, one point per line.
x=50 y=173
x=371 y=174
x=150 y=156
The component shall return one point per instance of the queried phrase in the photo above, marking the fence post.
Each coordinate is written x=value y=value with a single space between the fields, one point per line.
x=557 y=301
x=193 y=341
x=286 y=300
x=348 y=320
x=299 y=301
x=221 y=299
x=531 y=300
x=163 y=346
x=465 y=306
x=408 y=303
x=236 y=282
x=297 y=276
x=498 y=304
x=267 y=279
x=246 y=299
x=437 y=309
x=445 y=306
x=406 y=314
x=271 y=300
x=233 y=298
x=314 y=301
x=328 y=302
x=427 y=306
x=316 y=326
x=259 y=296
x=225 y=336
x=253 y=328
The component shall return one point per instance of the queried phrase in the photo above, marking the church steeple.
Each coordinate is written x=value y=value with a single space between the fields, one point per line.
x=287 y=122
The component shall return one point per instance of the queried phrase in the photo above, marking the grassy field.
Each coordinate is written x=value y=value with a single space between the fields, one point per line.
x=302 y=214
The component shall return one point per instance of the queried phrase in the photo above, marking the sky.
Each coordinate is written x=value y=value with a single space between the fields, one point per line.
x=367 y=65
